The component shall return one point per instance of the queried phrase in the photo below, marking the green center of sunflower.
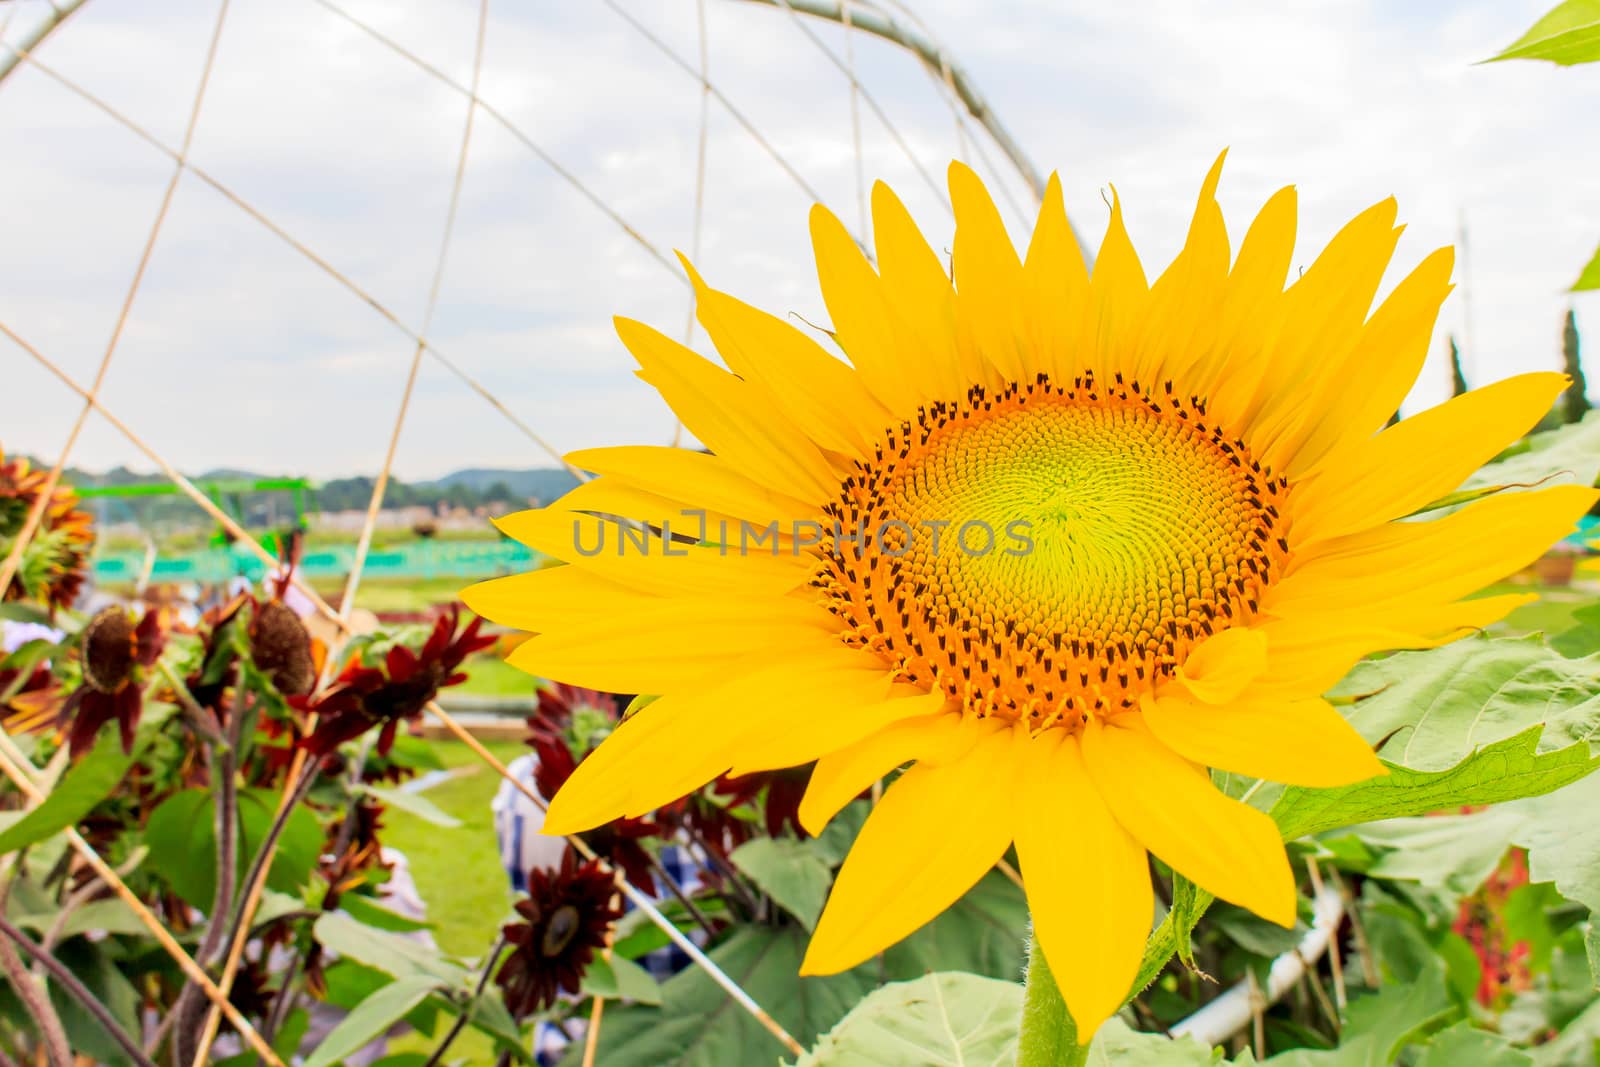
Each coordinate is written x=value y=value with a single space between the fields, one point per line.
x=1049 y=552
x=560 y=930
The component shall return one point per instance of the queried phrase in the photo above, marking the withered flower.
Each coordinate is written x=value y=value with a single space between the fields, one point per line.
x=116 y=654
x=280 y=647
x=364 y=697
x=57 y=558
x=564 y=922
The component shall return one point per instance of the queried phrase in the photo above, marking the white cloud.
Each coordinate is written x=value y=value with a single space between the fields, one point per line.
x=240 y=353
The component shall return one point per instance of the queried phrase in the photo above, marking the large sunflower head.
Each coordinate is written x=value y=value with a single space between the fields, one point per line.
x=1058 y=540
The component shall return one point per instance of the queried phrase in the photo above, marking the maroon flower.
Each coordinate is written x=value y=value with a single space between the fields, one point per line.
x=565 y=918
x=557 y=703
x=116 y=653
x=364 y=697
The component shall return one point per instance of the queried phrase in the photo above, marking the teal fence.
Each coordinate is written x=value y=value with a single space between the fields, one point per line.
x=421 y=559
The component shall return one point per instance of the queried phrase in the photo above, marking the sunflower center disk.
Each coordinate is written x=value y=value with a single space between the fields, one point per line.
x=1051 y=551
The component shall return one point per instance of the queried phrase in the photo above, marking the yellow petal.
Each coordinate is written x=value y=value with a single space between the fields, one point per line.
x=699 y=480
x=920 y=295
x=1424 y=457
x=818 y=393
x=1118 y=292
x=1435 y=561
x=1087 y=879
x=1252 y=305
x=736 y=419
x=1220 y=667
x=1055 y=287
x=1386 y=360
x=833 y=723
x=1181 y=323
x=1225 y=847
x=863 y=323
x=684 y=739
x=644 y=560
x=1300 y=742
x=673 y=642
x=932 y=836
x=549 y=598
x=841 y=776
x=988 y=275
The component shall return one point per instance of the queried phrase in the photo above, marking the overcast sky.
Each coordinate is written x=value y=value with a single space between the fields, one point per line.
x=241 y=353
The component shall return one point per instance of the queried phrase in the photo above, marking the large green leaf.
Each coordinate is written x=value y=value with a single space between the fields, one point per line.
x=1506 y=770
x=940 y=1020
x=86 y=784
x=181 y=836
x=1562 y=837
x=1118 y=1046
x=1569 y=455
x=1431 y=709
x=1568 y=34
x=1461 y=1044
x=983 y=933
x=370 y=1018
x=699 y=1025
x=791 y=872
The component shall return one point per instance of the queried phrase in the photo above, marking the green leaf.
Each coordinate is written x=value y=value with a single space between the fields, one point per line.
x=394 y=954
x=1461 y=1044
x=1118 y=1046
x=181 y=836
x=834 y=843
x=1506 y=770
x=96 y=968
x=370 y=912
x=1187 y=908
x=984 y=932
x=1455 y=853
x=370 y=1018
x=1436 y=707
x=1583 y=637
x=1570 y=454
x=86 y=784
x=699 y=1025
x=790 y=872
x=1568 y=34
x=414 y=804
x=1379 y=1024
x=1562 y=837
x=941 y=1019
x=618 y=978
x=1589 y=277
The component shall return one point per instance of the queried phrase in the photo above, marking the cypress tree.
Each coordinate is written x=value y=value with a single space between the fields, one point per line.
x=1575 y=401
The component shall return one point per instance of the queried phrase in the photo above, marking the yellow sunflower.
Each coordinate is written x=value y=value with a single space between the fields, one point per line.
x=1057 y=540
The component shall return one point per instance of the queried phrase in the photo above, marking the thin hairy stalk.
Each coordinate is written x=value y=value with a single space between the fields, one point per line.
x=677 y=890
x=78 y=992
x=37 y=1004
x=467 y=1009
x=223 y=760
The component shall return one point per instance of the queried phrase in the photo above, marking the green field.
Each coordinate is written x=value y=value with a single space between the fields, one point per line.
x=458 y=873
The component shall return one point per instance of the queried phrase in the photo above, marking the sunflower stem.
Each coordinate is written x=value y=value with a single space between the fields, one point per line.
x=1049 y=1037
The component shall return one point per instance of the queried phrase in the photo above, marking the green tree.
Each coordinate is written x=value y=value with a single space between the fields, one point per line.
x=1575 y=401
x=1458 y=380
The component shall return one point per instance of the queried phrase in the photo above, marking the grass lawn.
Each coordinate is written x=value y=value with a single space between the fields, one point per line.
x=490 y=675
x=399 y=594
x=458 y=874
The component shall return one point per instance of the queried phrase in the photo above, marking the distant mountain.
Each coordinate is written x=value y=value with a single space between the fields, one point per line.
x=544 y=484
